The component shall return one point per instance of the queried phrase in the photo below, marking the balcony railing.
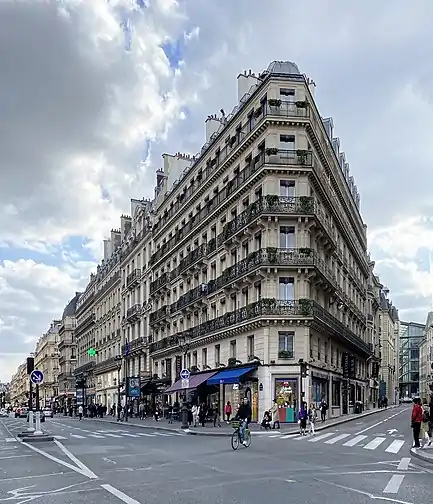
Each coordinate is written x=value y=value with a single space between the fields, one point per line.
x=273 y=204
x=85 y=368
x=109 y=364
x=134 y=311
x=189 y=298
x=134 y=345
x=286 y=157
x=270 y=308
x=133 y=277
x=158 y=314
x=85 y=324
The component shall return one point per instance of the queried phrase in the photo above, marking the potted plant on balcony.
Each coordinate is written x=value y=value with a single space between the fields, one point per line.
x=194 y=369
x=272 y=255
x=274 y=102
x=285 y=354
x=302 y=156
x=268 y=304
x=272 y=200
x=258 y=112
x=307 y=251
x=306 y=307
x=271 y=151
x=301 y=104
x=231 y=362
x=307 y=204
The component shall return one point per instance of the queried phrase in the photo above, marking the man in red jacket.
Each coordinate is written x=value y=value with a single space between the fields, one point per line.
x=416 y=420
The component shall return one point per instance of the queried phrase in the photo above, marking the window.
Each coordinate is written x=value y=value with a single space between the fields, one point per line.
x=286 y=288
x=336 y=393
x=285 y=344
x=287 y=94
x=204 y=357
x=287 y=143
x=233 y=349
x=287 y=236
x=217 y=355
x=250 y=347
x=287 y=188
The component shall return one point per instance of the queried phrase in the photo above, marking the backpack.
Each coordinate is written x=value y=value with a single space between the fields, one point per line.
x=425 y=416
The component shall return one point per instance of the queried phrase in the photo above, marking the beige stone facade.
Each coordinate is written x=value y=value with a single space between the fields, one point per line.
x=260 y=251
x=20 y=386
x=47 y=361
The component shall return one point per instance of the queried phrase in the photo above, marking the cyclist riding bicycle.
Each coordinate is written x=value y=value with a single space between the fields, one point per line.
x=244 y=415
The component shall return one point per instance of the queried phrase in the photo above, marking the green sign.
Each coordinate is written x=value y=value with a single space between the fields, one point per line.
x=92 y=352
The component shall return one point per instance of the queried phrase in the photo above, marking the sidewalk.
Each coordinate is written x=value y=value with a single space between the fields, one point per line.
x=425 y=455
x=227 y=430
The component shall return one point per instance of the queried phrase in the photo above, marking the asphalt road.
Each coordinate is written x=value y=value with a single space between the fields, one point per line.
x=94 y=462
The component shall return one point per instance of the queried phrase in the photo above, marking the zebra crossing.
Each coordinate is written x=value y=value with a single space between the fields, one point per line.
x=389 y=444
x=112 y=434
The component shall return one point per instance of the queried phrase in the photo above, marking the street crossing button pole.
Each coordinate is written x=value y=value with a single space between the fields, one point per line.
x=30 y=368
x=37 y=377
x=185 y=375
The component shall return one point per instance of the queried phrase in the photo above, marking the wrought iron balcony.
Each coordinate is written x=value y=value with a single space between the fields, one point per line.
x=134 y=312
x=133 y=278
x=273 y=204
x=110 y=364
x=85 y=368
x=158 y=315
x=273 y=308
x=189 y=298
x=270 y=156
x=85 y=324
x=135 y=345
x=159 y=282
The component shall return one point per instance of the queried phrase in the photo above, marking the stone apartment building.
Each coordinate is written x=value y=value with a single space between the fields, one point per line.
x=426 y=360
x=67 y=356
x=259 y=257
x=47 y=361
x=20 y=386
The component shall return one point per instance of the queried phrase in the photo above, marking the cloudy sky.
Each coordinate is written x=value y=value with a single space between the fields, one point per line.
x=93 y=91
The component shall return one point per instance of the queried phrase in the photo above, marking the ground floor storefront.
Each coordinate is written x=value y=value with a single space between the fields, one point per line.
x=264 y=385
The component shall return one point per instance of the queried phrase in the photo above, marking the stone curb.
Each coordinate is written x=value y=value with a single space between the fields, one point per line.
x=422 y=455
x=216 y=433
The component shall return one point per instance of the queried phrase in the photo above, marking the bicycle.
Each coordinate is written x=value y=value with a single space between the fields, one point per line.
x=236 y=439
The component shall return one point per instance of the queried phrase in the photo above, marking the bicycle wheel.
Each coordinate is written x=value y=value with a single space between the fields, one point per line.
x=235 y=440
x=247 y=438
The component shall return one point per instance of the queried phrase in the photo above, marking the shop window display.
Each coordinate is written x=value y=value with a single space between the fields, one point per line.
x=286 y=393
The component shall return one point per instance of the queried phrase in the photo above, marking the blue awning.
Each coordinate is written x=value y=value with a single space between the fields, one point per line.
x=229 y=375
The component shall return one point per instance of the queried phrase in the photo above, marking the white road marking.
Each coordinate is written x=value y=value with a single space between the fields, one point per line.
x=161 y=434
x=96 y=436
x=15 y=456
x=289 y=436
x=84 y=469
x=113 y=435
x=395 y=446
x=77 y=436
x=319 y=438
x=145 y=434
x=130 y=435
x=54 y=459
x=404 y=464
x=355 y=440
x=336 y=439
x=371 y=427
x=274 y=436
x=120 y=495
x=394 y=484
x=10 y=440
x=60 y=438
x=372 y=445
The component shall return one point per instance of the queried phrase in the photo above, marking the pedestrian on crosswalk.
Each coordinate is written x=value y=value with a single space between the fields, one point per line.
x=302 y=419
x=425 y=425
x=312 y=417
x=80 y=412
x=416 y=421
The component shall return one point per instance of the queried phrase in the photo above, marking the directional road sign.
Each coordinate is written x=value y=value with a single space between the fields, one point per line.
x=185 y=374
x=37 y=377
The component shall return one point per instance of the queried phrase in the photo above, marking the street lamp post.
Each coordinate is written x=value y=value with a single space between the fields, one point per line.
x=184 y=343
x=119 y=367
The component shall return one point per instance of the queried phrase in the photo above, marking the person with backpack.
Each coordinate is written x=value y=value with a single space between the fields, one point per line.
x=425 y=425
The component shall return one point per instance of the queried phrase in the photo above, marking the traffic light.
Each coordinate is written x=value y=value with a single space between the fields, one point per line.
x=303 y=366
x=30 y=364
x=92 y=352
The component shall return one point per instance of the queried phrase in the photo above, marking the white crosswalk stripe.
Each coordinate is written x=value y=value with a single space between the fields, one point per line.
x=372 y=445
x=355 y=440
x=109 y=434
x=319 y=438
x=129 y=435
x=77 y=436
x=60 y=438
x=337 y=438
x=395 y=446
x=97 y=436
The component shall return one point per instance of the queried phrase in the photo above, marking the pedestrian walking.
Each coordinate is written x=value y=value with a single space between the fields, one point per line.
x=425 y=435
x=302 y=419
x=416 y=421
x=228 y=411
x=323 y=410
x=312 y=417
x=216 y=414
x=275 y=415
x=195 y=414
x=142 y=411
x=80 y=413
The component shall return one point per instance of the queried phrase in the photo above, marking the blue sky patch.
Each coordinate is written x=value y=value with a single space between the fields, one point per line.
x=173 y=52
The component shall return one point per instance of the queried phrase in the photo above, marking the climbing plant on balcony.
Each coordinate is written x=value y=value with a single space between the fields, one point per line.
x=302 y=104
x=274 y=102
x=307 y=251
x=271 y=151
x=302 y=156
x=231 y=362
x=272 y=200
x=306 y=204
x=272 y=254
x=306 y=307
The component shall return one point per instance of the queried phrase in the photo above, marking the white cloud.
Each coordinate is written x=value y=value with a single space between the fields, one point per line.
x=79 y=110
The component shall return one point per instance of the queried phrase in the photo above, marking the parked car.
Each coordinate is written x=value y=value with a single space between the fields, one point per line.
x=48 y=412
x=21 y=412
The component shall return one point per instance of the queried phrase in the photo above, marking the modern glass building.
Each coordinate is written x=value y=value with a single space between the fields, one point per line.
x=411 y=336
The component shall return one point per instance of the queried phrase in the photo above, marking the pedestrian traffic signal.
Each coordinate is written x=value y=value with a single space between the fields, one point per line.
x=92 y=352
